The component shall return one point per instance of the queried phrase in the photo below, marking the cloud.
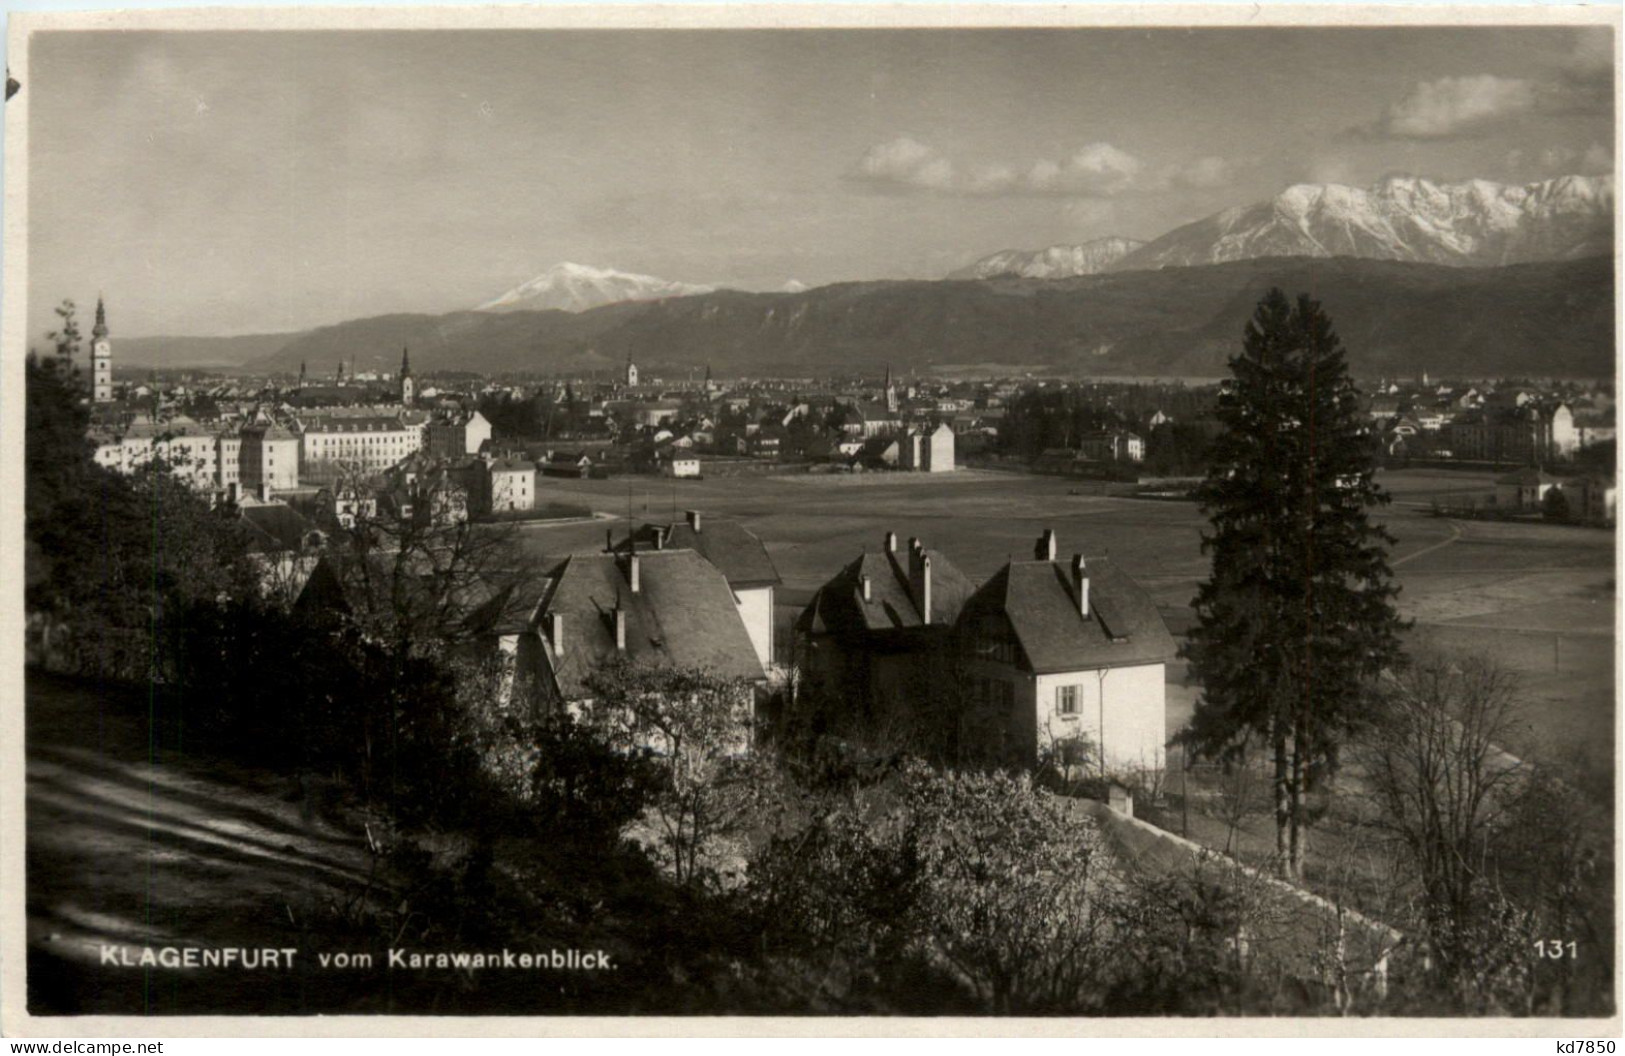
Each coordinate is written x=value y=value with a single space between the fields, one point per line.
x=906 y=162
x=1559 y=160
x=1597 y=160
x=1093 y=171
x=1201 y=174
x=1097 y=170
x=1592 y=55
x=1455 y=107
x=1580 y=83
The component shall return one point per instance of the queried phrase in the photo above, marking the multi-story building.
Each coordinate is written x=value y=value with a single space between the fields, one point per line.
x=875 y=639
x=1045 y=659
x=268 y=457
x=505 y=485
x=457 y=434
x=929 y=452
x=1529 y=433
x=370 y=443
x=1076 y=654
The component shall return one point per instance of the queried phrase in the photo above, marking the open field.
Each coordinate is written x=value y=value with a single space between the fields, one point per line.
x=1539 y=596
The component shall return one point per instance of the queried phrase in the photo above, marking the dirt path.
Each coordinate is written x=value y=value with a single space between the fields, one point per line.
x=133 y=844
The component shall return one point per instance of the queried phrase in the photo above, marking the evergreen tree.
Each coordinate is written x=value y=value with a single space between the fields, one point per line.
x=66 y=338
x=1297 y=617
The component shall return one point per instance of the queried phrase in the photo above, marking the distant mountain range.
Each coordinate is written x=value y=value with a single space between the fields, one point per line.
x=1056 y=262
x=198 y=352
x=579 y=287
x=1552 y=318
x=1475 y=223
x=1476 y=278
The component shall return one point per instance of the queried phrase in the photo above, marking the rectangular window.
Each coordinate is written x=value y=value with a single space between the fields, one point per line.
x=1066 y=700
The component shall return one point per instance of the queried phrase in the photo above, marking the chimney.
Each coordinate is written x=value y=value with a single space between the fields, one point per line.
x=234 y=492
x=265 y=491
x=867 y=592
x=891 y=542
x=609 y=540
x=660 y=538
x=1080 y=584
x=632 y=577
x=694 y=520
x=620 y=629
x=555 y=632
x=919 y=578
x=1045 y=548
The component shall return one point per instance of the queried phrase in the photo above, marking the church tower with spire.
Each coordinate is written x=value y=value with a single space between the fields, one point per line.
x=892 y=404
x=408 y=386
x=101 y=358
x=631 y=372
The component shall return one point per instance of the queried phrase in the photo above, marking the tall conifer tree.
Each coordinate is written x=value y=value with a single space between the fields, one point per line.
x=1297 y=618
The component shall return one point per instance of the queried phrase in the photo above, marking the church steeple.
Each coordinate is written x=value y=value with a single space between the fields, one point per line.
x=408 y=386
x=101 y=357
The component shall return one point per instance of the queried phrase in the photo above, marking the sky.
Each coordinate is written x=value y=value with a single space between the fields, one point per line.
x=216 y=183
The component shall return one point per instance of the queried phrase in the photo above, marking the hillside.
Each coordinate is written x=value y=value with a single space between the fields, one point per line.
x=1549 y=318
x=176 y=352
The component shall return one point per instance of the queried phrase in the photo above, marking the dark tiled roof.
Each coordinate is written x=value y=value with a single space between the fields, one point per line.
x=275 y=526
x=267 y=431
x=1123 y=626
x=839 y=608
x=729 y=545
x=683 y=615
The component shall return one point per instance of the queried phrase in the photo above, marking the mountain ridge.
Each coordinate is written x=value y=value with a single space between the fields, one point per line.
x=1471 y=223
x=1551 y=318
x=580 y=287
x=1052 y=262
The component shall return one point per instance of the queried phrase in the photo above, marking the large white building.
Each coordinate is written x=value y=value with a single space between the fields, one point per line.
x=931 y=452
x=368 y=442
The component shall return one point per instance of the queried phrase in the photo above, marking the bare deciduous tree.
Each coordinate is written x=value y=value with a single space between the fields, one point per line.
x=1443 y=783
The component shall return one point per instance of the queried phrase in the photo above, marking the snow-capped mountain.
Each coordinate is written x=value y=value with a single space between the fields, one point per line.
x=794 y=286
x=578 y=287
x=1475 y=222
x=1056 y=262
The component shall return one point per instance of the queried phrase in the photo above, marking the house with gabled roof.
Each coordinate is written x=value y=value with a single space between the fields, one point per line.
x=667 y=607
x=877 y=634
x=1075 y=654
x=737 y=553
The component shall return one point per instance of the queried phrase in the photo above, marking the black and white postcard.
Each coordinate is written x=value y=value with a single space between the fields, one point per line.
x=811 y=515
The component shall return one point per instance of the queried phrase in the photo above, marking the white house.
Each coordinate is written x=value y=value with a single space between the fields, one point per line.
x=681 y=466
x=1524 y=490
x=1077 y=652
